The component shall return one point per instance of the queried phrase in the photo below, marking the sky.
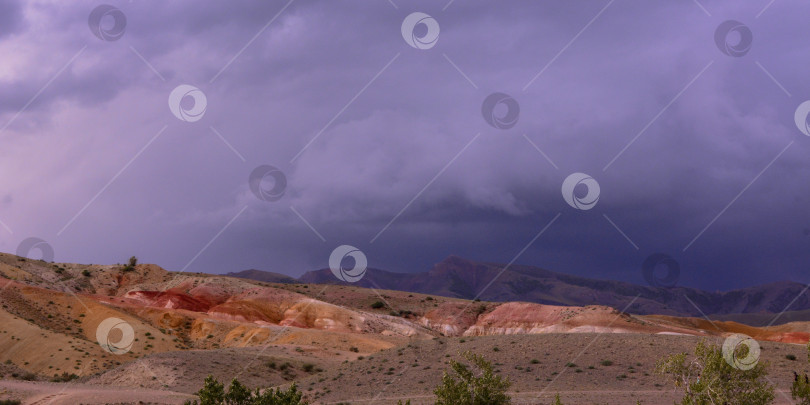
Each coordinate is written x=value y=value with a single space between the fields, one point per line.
x=581 y=137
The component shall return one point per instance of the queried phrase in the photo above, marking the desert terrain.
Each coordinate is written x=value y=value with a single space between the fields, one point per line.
x=339 y=343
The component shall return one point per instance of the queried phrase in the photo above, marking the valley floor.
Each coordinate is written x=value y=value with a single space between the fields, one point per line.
x=71 y=394
x=583 y=368
x=42 y=393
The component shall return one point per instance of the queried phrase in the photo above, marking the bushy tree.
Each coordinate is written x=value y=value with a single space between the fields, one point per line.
x=469 y=387
x=708 y=379
x=238 y=394
x=213 y=393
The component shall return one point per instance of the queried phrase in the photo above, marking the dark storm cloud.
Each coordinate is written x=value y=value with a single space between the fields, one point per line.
x=396 y=117
x=11 y=17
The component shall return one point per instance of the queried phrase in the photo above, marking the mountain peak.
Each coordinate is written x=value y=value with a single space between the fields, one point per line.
x=453 y=261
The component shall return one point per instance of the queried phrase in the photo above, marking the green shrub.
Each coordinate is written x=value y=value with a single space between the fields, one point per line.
x=65 y=377
x=801 y=385
x=28 y=376
x=800 y=390
x=377 y=304
x=472 y=387
x=130 y=266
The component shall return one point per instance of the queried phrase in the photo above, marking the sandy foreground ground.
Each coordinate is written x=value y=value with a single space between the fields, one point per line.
x=41 y=393
x=70 y=394
x=646 y=397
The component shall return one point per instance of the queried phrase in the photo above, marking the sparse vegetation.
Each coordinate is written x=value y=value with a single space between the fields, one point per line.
x=399 y=369
x=377 y=304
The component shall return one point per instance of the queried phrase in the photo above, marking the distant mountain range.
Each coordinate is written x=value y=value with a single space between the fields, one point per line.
x=461 y=278
x=264 y=276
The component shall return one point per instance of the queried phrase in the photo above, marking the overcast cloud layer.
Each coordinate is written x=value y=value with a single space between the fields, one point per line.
x=94 y=162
